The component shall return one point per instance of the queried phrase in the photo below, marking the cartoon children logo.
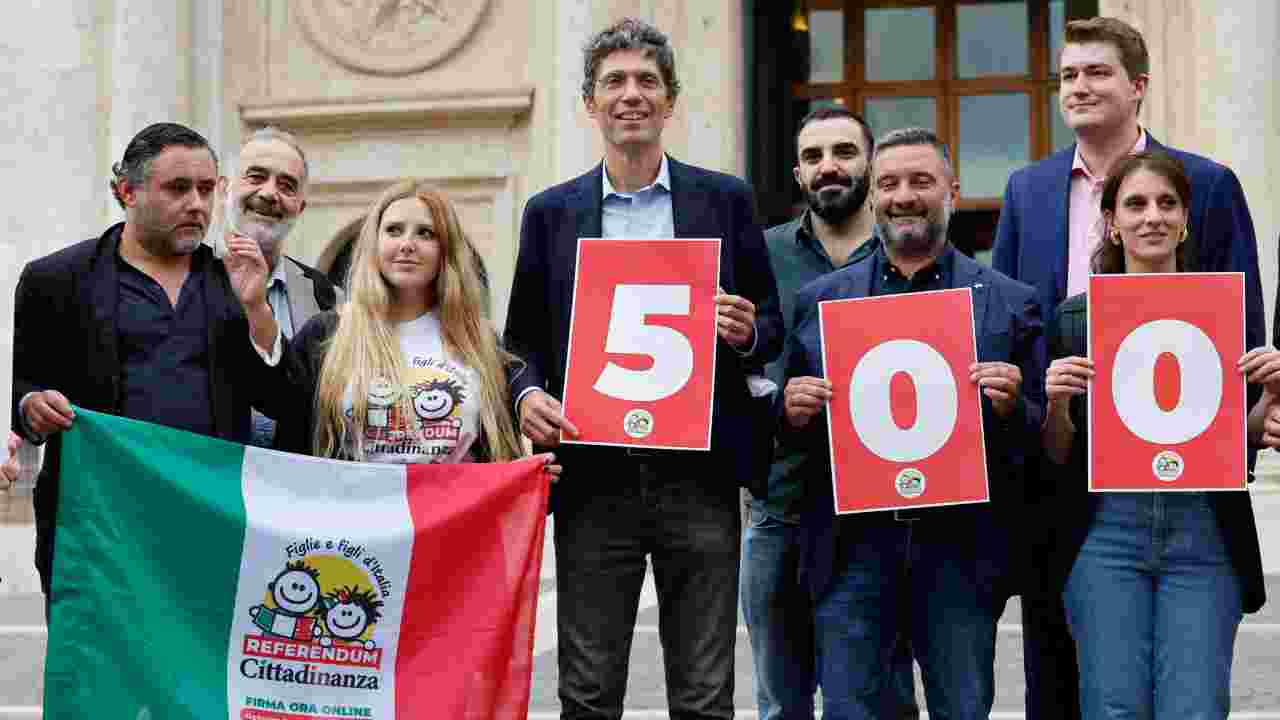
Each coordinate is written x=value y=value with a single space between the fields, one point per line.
x=349 y=613
x=295 y=592
x=324 y=599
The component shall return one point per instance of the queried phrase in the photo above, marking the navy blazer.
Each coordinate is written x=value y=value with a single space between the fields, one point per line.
x=1031 y=239
x=705 y=204
x=1009 y=329
x=65 y=339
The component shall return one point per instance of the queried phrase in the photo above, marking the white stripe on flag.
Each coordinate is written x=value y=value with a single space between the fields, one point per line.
x=349 y=522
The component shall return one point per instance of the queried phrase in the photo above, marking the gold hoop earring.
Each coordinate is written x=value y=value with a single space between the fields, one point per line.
x=1185 y=232
x=1115 y=237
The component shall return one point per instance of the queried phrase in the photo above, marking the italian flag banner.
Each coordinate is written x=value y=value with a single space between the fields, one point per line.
x=198 y=578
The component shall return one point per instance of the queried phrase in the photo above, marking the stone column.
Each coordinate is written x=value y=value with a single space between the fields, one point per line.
x=150 y=71
x=49 y=87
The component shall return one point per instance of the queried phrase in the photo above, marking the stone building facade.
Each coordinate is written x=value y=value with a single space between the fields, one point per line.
x=483 y=97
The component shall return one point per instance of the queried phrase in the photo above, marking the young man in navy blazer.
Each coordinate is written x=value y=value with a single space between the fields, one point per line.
x=617 y=509
x=1048 y=227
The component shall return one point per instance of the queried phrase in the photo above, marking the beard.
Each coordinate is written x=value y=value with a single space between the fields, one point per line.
x=916 y=242
x=156 y=234
x=841 y=206
x=267 y=233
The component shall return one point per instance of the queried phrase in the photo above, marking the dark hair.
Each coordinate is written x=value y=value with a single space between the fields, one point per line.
x=904 y=137
x=135 y=167
x=1108 y=257
x=629 y=34
x=1113 y=31
x=828 y=112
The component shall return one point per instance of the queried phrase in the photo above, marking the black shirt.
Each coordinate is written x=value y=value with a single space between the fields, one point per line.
x=887 y=279
x=164 y=350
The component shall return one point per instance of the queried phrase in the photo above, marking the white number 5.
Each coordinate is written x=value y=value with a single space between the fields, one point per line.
x=671 y=351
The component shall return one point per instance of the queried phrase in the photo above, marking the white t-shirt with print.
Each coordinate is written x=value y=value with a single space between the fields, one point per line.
x=444 y=397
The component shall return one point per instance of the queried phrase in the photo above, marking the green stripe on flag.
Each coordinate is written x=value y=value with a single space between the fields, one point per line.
x=149 y=537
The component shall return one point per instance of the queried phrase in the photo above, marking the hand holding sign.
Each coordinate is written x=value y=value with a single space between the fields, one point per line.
x=541 y=419
x=1001 y=382
x=1262 y=366
x=803 y=398
x=1066 y=377
x=735 y=319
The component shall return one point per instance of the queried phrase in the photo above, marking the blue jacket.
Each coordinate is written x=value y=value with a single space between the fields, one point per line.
x=1031 y=239
x=1009 y=329
x=705 y=204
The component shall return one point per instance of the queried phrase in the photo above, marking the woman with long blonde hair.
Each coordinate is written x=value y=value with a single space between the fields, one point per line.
x=409 y=369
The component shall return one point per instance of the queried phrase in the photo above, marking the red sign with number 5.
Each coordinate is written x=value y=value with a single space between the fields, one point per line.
x=642 y=343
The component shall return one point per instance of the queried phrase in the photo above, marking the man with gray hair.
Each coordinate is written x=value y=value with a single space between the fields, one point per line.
x=263 y=203
x=949 y=570
x=618 y=509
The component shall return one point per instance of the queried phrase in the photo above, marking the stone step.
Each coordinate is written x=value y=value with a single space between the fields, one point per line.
x=1255 y=689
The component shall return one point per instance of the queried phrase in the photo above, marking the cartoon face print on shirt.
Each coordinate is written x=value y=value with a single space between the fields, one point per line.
x=435 y=400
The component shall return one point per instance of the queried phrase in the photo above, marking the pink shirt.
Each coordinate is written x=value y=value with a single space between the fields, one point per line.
x=1084 y=218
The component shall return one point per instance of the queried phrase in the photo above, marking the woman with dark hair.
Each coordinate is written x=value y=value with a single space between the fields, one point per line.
x=1154 y=584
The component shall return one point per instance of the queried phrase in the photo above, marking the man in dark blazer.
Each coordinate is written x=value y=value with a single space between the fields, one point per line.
x=141 y=321
x=614 y=507
x=1049 y=224
x=949 y=569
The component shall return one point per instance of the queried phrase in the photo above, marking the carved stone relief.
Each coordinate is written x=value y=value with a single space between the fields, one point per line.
x=389 y=37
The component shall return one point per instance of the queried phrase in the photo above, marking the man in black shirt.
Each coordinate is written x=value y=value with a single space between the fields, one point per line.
x=948 y=571
x=140 y=322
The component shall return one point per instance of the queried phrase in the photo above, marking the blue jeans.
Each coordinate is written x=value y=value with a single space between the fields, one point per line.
x=779 y=616
x=1153 y=603
x=948 y=587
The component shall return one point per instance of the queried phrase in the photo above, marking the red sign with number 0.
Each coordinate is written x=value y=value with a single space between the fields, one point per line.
x=1167 y=405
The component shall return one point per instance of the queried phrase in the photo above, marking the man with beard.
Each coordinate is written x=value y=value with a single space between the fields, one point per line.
x=141 y=322
x=833 y=170
x=264 y=203
x=948 y=570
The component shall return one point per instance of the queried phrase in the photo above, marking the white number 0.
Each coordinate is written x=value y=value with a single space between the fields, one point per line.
x=671 y=351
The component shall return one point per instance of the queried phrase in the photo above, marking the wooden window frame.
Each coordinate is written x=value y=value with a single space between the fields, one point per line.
x=1039 y=84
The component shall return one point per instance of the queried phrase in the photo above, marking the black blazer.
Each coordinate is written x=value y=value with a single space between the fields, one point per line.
x=1009 y=329
x=65 y=339
x=705 y=204
x=1074 y=506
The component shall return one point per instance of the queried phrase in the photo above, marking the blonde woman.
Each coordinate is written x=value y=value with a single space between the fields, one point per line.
x=409 y=369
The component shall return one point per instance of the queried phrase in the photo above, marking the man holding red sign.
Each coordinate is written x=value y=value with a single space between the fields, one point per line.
x=619 y=508
x=953 y=565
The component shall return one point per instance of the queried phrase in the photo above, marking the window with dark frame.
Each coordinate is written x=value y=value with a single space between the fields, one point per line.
x=980 y=73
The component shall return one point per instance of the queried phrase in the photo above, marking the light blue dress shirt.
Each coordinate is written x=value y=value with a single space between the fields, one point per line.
x=645 y=214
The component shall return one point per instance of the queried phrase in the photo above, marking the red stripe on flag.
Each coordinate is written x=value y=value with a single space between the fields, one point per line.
x=466 y=641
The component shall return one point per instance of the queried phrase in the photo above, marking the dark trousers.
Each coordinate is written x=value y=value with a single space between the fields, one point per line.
x=1048 y=654
x=684 y=518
